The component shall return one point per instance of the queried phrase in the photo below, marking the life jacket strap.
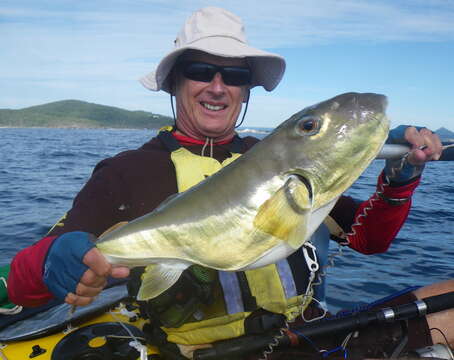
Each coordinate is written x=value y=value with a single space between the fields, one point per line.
x=168 y=140
x=263 y=321
x=249 y=300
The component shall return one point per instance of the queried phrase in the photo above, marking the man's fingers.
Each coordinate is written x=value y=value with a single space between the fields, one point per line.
x=77 y=300
x=119 y=272
x=433 y=144
x=413 y=136
x=94 y=278
x=91 y=279
x=97 y=262
x=88 y=291
x=426 y=145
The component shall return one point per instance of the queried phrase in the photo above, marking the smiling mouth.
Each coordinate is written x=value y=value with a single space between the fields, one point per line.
x=213 y=107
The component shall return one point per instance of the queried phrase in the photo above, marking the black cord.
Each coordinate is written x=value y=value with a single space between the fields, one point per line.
x=245 y=109
x=442 y=334
x=173 y=111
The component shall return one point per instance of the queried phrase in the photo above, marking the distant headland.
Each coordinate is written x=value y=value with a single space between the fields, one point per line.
x=81 y=114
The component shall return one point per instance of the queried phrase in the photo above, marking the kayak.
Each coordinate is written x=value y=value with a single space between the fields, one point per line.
x=109 y=328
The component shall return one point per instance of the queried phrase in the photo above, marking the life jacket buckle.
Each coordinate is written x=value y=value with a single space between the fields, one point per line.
x=260 y=324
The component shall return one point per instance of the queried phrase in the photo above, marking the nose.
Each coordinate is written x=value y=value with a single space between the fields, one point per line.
x=217 y=85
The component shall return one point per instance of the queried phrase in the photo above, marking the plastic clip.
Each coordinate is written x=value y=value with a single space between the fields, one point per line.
x=311 y=260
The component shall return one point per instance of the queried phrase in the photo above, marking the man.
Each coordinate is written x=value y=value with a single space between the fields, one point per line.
x=210 y=72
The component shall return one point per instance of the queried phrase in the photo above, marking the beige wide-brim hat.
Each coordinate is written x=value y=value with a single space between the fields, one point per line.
x=218 y=32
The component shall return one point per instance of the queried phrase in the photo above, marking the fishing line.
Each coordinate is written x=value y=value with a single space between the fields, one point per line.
x=442 y=334
x=339 y=348
x=123 y=337
x=136 y=344
x=308 y=340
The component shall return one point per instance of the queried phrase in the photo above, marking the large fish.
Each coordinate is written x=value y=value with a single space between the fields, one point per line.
x=264 y=205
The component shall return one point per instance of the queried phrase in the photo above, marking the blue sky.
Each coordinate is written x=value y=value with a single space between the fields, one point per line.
x=96 y=50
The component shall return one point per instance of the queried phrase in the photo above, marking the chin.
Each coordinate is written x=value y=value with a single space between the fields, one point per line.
x=217 y=130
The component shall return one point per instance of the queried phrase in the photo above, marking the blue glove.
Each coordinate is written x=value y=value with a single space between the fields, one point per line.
x=400 y=170
x=63 y=267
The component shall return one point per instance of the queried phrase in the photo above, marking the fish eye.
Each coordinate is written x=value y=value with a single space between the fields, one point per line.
x=308 y=125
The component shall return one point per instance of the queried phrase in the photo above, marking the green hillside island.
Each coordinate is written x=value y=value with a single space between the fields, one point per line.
x=80 y=114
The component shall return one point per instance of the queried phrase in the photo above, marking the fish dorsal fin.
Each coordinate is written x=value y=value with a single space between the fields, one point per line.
x=285 y=214
x=113 y=227
x=157 y=278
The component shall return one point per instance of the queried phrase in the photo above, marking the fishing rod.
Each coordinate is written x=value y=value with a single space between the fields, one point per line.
x=396 y=151
x=327 y=326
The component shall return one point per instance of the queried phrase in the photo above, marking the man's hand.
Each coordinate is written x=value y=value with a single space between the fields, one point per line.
x=75 y=271
x=426 y=145
x=94 y=278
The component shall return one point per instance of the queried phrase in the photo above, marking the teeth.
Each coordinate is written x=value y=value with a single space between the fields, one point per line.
x=213 y=107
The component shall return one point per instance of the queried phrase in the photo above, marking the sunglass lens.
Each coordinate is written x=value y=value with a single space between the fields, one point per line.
x=199 y=72
x=236 y=76
x=231 y=75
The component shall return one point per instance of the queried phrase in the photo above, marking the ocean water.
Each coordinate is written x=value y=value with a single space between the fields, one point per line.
x=41 y=170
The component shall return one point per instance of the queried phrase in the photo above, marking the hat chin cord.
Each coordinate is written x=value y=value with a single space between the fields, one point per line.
x=245 y=109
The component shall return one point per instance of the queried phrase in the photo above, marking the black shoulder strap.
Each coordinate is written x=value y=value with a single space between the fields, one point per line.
x=168 y=140
x=249 y=301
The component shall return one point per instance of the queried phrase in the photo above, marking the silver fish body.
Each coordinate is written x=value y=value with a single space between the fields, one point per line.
x=264 y=205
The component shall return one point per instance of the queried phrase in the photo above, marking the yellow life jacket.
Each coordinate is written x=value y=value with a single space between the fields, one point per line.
x=272 y=286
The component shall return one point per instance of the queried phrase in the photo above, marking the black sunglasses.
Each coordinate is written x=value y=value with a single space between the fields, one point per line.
x=231 y=75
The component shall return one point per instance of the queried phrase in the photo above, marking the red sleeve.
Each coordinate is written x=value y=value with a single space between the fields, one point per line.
x=25 y=279
x=376 y=222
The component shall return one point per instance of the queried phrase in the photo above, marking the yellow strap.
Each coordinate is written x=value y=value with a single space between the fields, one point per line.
x=208 y=331
x=192 y=169
x=261 y=281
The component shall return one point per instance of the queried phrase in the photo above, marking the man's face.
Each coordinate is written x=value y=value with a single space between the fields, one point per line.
x=208 y=109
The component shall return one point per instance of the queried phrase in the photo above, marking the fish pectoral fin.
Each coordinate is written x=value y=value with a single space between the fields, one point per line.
x=286 y=211
x=156 y=279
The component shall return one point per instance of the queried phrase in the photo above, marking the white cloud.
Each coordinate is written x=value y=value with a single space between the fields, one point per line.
x=95 y=51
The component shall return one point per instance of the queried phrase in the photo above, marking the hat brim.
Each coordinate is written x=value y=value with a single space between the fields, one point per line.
x=267 y=68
